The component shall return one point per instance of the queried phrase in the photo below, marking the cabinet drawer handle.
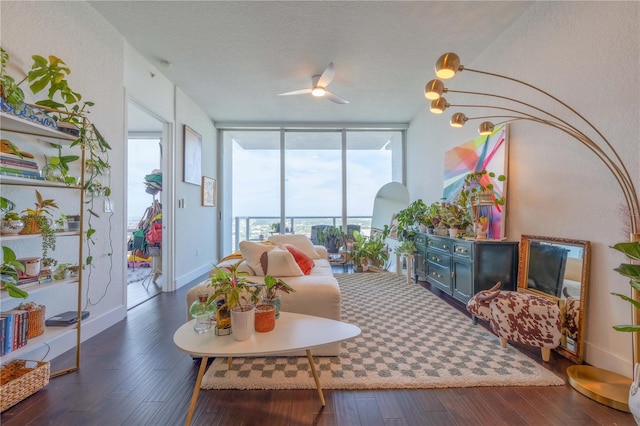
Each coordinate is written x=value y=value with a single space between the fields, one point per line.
x=436 y=259
x=461 y=250
x=435 y=274
x=444 y=246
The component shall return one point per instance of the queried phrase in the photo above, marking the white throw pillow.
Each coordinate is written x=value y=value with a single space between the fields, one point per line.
x=301 y=241
x=270 y=260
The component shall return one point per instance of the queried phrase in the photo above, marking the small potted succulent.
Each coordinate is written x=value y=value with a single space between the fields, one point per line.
x=11 y=224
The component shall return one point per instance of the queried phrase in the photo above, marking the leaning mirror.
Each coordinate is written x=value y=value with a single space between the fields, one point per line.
x=558 y=268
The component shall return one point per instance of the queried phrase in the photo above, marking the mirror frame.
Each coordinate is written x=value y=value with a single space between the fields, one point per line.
x=523 y=275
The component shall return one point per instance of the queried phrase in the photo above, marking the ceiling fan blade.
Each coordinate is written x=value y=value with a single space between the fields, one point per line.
x=327 y=76
x=333 y=98
x=296 y=92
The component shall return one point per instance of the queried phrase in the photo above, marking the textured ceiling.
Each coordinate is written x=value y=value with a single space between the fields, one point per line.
x=232 y=58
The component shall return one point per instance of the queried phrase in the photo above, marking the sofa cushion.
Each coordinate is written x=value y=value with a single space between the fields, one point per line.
x=301 y=241
x=305 y=263
x=270 y=260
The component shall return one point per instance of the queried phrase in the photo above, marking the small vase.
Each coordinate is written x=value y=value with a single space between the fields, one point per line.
x=223 y=318
x=265 y=318
x=11 y=226
x=274 y=301
x=202 y=312
x=453 y=232
x=243 y=321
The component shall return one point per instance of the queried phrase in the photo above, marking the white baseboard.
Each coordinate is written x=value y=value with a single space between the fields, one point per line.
x=602 y=359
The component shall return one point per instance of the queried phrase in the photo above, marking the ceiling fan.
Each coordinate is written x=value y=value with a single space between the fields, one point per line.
x=319 y=85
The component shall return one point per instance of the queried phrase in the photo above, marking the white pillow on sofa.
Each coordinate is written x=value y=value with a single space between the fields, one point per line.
x=301 y=241
x=270 y=260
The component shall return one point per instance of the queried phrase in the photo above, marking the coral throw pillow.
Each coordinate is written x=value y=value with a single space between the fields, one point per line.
x=269 y=260
x=301 y=241
x=305 y=263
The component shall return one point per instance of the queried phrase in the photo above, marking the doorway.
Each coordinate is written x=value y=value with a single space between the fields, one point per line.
x=145 y=140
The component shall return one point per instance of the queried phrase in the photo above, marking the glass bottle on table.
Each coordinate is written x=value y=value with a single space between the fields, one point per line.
x=203 y=313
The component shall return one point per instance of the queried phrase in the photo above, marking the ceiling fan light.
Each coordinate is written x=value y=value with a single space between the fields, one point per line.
x=318 y=91
x=485 y=128
x=447 y=65
x=458 y=119
x=438 y=105
x=434 y=89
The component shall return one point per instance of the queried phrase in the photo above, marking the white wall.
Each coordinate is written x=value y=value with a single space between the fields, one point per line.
x=94 y=53
x=195 y=225
x=587 y=54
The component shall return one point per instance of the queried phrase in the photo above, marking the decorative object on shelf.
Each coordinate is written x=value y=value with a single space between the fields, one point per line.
x=203 y=313
x=208 y=192
x=223 y=318
x=265 y=318
x=192 y=172
x=62 y=271
x=37 y=223
x=10 y=270
x=595 y=383
x=73 y=222
x=36 y=314
x=243 y=318
x=21 y=378
x=11 y=224
x=31 y=266
x=634 y=395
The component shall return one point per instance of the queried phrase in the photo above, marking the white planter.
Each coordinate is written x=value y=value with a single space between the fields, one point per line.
x=242 y=322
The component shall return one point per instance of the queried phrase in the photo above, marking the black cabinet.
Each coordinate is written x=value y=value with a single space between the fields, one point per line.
x=461 y=268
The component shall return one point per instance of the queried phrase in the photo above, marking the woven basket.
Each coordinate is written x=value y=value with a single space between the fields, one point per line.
x=17 y=381
x=36 y=322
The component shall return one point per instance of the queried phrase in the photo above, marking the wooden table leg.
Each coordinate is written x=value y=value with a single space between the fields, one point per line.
x=315 y=377
x=196 y=389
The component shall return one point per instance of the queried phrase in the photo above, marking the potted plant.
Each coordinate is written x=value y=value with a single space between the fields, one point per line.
x=631 y=271
x=57 y=168
x=456 y=218
x=9 y=273
x=332 y=238
x=11 y=223
x=358 y=250
x=376 y=250
x=36 y=221
x=272 y=286
x=411 y=218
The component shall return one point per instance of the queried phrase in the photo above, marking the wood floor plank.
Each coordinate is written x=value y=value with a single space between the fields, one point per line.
x=133 y=374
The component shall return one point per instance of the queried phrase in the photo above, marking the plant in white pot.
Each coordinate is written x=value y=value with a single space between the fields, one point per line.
x=631 y=271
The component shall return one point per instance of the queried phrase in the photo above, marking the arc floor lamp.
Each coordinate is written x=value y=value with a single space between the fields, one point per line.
x=598 y=384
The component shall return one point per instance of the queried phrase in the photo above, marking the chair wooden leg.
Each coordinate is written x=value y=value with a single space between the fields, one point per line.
x=503 y=342
x=546 y=354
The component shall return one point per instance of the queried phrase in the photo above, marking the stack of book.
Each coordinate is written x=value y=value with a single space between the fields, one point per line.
x=14 y=329
x=14 y=165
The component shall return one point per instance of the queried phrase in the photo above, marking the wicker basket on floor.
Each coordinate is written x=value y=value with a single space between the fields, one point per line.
x=18 y=381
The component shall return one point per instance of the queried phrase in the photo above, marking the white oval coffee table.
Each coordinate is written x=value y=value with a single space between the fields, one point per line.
x=293 y=332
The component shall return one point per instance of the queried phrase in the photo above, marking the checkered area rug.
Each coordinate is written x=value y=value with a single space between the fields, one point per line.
x=410 y=339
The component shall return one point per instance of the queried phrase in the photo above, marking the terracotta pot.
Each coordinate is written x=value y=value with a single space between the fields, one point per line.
x=31 y=226
x=265 y=318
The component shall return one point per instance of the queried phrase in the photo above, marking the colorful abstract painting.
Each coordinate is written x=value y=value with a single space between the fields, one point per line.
x=484 y=152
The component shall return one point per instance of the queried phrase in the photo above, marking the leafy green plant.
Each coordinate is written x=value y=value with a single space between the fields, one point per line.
x=43 y=208
x=631 y=271
x=408 y=219
x=10 y=89
x=273 y=285
x=407 y=248
x=332 y=238
x=9 y=272
x=233 y=285
x=376 y=250
x=456 y=216
x=476 y=184
x=61 y=165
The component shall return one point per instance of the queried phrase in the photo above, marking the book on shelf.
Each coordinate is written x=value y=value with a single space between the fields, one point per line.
x=19 y=170
x=20 y=175
x=28 y=281
x=18 y=162
x=16 y=329
x=3 y=321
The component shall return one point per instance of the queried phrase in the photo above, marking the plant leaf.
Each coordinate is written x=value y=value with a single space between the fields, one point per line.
x=630 y=249
x=628 y=328
x=635 y=303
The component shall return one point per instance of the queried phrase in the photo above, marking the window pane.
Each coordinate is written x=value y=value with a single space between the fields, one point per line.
x=255 y=181
x=313 y=179
x=370 y=161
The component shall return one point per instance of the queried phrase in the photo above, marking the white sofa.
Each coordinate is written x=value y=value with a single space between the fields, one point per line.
x=315 y=294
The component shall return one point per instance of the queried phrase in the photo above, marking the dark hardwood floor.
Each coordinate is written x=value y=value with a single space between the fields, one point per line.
x=132 y=374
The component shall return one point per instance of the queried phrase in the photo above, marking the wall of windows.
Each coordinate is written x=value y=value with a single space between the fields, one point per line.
x=290 y=180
